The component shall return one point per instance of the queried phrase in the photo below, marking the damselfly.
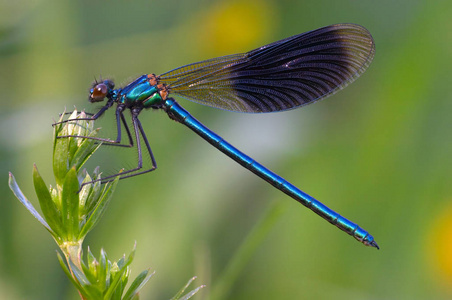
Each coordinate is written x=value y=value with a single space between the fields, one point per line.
x=280 y=76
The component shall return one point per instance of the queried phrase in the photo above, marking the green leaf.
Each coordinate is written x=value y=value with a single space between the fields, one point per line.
x=55 y=198
x=92 y=263
x=85 y=191
x=60 y=154
x=48 y=207
x=104 y=270
x=93 y=199
x=132 y=254
x=72 y=151
x=19 y=195
x=70 y=204
x=89 y=275
x=192 y=293
x=100 y=208
x=57 y=128
x=81 y=278
x=73 y=128
x=121 y=262
x=115 y=281
x=95 y=293
x=89 y=288
x=69 y=275
x=120 y=286
x=189 y=294
x=181 y=291
x=95 y=191
x=123 y=265
x=84 y=151
x=137 y=284
x=84 y=127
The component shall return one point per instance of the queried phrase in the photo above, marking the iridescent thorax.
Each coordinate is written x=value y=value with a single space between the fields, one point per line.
x=145 y=91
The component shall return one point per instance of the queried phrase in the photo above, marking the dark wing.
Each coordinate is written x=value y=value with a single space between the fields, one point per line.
x=283 y=75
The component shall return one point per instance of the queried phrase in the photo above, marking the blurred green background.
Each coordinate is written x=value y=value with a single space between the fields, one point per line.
x=378 y=152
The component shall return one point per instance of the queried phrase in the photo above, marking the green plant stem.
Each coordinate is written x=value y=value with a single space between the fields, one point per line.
x=73 y=251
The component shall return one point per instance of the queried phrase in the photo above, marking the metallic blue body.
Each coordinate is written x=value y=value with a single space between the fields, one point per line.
x=179 y=114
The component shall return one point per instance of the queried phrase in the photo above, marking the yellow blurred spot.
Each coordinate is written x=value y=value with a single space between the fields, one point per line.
x=440 y=245
x=236 y=26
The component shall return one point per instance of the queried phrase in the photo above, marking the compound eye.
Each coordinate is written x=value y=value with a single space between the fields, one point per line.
x=98 y=92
